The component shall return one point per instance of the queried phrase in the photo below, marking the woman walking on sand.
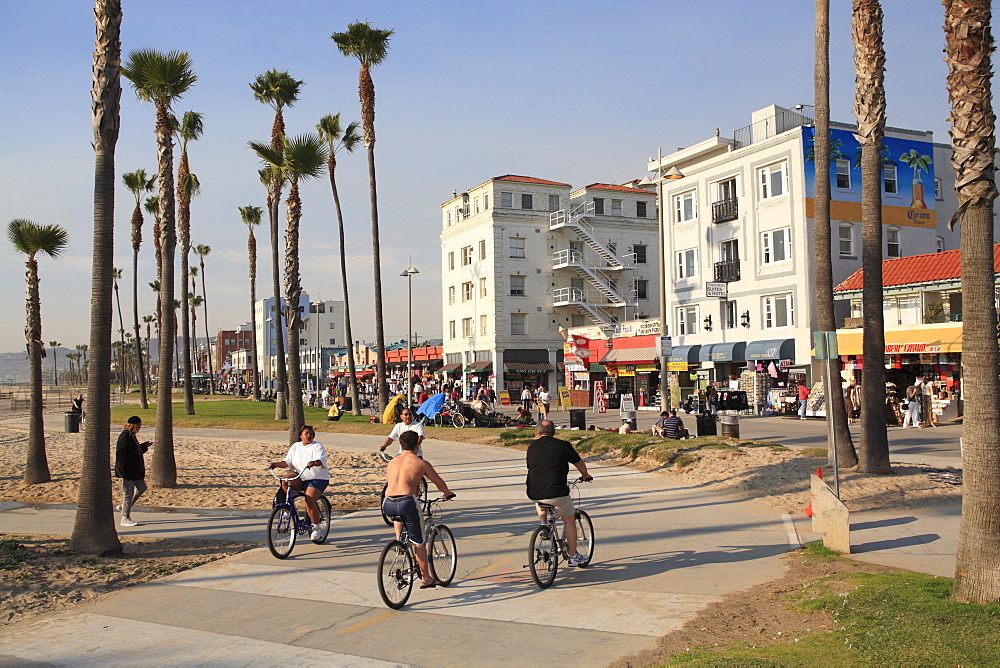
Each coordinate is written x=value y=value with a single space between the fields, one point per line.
x=130 y=467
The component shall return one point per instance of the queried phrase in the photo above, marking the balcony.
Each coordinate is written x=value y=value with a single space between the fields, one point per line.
x=727 y=271
x=725 y=210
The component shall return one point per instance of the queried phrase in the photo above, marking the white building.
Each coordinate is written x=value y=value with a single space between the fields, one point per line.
x=319 y=330
x=523 y=258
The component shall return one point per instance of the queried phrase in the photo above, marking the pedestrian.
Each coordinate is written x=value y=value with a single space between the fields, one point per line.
x=911 y=406
x=130 y=467
x=803 y=398
x=543 y=400
x=526 y=397
x=852 y=401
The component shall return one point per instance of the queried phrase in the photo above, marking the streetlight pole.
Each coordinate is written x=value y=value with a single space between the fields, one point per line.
x=673 y=173
x=408 y=274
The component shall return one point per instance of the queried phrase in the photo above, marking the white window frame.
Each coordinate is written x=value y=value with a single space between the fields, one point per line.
x=768 y=247
x=482 y=248
x=686 y=264
x=645 y=253
x=848 y=250
x=598 y=206
x=467 y=255
x=451 y=261
x=516 y=291
x=518 y=324
x=467 y=327
x=641 y=289
x=686 y=206
x=506 y=200
x=554 y=203
x=451 y=329
x=766 y=183
x=482 y=287
x=467 y=291
x=770 y=310
x=886 y=181
x=482 y=324
x=939 y=244
x=451 y=294
x=893 y=238
x=843 y=171
x=688 y=318
x=938 y=188
x=517 y=247
x=728 y=314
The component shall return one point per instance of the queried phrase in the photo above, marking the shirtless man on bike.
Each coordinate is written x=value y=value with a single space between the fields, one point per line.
x=402 y=475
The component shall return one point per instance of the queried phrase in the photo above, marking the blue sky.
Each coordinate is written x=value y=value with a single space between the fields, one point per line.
x=579 y=92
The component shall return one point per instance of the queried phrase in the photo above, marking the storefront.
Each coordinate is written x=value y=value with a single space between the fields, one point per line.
x=682 y=372
x=770 y=378
x=634 y=371
x=534 y=374
x=723 y=362
x=477 y=373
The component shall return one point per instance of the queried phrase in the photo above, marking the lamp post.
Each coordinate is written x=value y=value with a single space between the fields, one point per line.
x=672 y=173
x=408 y=275
x=317 y=365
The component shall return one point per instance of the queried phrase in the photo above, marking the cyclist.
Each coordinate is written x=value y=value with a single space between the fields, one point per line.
x=548 y=462
x=402 y=475
x=309 y=457
x=406 y=425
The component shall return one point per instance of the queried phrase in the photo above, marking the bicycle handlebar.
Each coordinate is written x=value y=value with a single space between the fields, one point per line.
x=588 y=478
x=281 y=477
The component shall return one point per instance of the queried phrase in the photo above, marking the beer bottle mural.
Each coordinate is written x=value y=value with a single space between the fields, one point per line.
x=918 y=163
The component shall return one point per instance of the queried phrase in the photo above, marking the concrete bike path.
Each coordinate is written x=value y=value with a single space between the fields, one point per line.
x=663 y=552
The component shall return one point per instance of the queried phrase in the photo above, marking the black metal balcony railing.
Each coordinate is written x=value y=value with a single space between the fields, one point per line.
x=725 y=209
x=727 y=271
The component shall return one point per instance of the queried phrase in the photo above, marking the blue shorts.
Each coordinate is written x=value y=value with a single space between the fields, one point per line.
x=318 y=484
x=407 y=507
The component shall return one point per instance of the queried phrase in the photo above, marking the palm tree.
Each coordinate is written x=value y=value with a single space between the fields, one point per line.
x=161 y=79
x=251 y=217
x=968 y=45
x=201 y=250
x=301 y=158
x=195 y=301
x=278 y=90
x=139 y=185
x=81 y=349
x=195 y=360
x=117 y=274
x=336 y=139
x=869 y=107
x=370 y=45
x=72 y=357
x=189 y=128
x=149 y=320
x=825 y=318
x=31 y=238
x=54 y=345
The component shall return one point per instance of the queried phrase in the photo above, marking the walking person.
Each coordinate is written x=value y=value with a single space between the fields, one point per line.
x=911 y=417
x=543 y=398
x=803 y=398
x=526 y=397
x=131 y=467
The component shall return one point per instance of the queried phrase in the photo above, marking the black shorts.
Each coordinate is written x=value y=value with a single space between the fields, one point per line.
x=407 y=507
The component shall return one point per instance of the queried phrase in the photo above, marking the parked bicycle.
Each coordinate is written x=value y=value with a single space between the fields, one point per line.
x=285 y=524
x=545 y=545
x=421 y=494
x=397 y=565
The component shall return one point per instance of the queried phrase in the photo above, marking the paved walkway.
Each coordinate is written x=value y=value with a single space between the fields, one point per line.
x=664 y=550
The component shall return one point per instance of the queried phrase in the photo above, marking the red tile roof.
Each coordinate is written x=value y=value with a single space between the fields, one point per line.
x=527 y=179
x=618 y=188
x=916 y=269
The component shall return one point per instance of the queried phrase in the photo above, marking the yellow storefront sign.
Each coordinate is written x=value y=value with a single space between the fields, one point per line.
x=891 y=215
x=944 y=338
x=677 y=366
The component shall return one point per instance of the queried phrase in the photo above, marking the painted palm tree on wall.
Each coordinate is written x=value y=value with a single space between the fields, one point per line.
x=918 y=163
x=138 y=184
x=251 y=218
x=31 y=239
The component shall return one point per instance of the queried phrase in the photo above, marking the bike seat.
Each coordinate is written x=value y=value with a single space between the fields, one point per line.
x=546 y=506
x=397 y=518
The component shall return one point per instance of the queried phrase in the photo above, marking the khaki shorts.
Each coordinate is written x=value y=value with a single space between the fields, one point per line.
x=563 y=505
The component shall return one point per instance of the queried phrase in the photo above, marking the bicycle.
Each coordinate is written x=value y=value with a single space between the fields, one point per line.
x=397 y=565
x=284 y=524
x=422 y=493
x=545 y=545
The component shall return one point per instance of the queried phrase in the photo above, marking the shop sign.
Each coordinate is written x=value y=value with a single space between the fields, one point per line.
x=909 y=348
x=600 y=401
x=564 y=399
x=638 y=328
x=784 y=364
x=581 y=375
x=505 y=398
x=628 y=403
x=574 y=366
x=717 y=290
x=677 y=366
x=627 y=370
x=646 y=368
x=612 y=370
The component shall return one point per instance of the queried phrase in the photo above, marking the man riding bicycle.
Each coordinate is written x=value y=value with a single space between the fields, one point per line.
x=403 y=475
x=548 y=462
x=406 y=425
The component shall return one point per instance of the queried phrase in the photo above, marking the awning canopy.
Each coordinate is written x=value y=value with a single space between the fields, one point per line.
x=936 y=338
x=480 y=366
x=527 y=366
x=596 y=368
x=631 y=356
x=451 y=367
x=772 y=349
x=687 y=354
x=723 y=352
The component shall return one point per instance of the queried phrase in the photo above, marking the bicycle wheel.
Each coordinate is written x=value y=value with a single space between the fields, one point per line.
x=459 y=420
x=281 y=532
x=323 y=526
x=438 y=419
x=482 y=420
x=422 y=490
x=442 y=555
x=543 y=557
x=381 y=501
x=396 y=572
x=584 y=537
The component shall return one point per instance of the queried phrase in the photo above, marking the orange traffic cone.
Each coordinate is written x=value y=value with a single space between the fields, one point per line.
x=809 y=508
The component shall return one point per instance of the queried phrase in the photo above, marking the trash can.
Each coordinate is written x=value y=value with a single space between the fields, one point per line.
x=706 y=424
x=71 y=422
x=348 y=405
x=578 y=418
x=730 y=425
x=628 y=417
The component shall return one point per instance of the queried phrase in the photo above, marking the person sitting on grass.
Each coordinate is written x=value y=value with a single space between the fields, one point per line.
x=658 y=425
x=673 y=427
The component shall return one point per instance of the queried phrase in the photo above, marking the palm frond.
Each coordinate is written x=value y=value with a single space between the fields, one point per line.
x=268 y=155
x=159 y=77
x=277 y=89
x=31 y=238
x=369 y=45
x=351 y=137
x=251 y=215
x=304 y=157
x=190 y=185
x=152 y=205
x=201 y=250
x=191 y=127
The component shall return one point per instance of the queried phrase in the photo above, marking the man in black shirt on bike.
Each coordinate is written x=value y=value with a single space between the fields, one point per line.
x=548 y=462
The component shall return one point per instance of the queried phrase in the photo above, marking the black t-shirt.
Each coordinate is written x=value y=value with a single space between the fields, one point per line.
x=548 y=462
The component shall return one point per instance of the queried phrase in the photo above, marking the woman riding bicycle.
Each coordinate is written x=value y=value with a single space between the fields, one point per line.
x=309 y=457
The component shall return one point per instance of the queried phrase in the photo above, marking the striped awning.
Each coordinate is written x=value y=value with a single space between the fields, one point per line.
x=451 y=367
x=528 y=367
x=481 y=365
x=631 y=356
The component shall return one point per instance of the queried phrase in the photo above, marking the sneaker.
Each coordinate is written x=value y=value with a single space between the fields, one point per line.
x=315 y=535
x=129 y=522
x=577 y=560
x=118 y=508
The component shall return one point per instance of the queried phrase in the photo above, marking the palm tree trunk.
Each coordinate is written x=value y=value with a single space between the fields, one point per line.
x=825 y=320
x=36 y=469
x=143 y=401
x=94 y=526
x=281 y=396
x=252 y=252
x=184 y=237
x=55 y=371
x=869 y=107
x=122 y=382
x=208 y=340
x=293 y=291
x=351 y=365
x=969 y=43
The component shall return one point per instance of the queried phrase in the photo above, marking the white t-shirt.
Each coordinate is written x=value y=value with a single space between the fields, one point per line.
x=544 y=397
x=401 y=427
x=299 y=455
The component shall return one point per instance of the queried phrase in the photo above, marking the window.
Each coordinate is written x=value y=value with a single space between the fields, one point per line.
x=687 y=263
x=506 y=200
x=467 y=291
x=517 y=247
x=517 y=323
x=728 y=315
x=778 y=311
x=890 y=184
x=599 y=205
x=553 y=202
x=333 y=325
x=451 y=294
x=517 y=285
x=640 y=209
x=726 y=190
x=640 y=253
x=616 y=207
x=576 y=284
x=938 y=189
x=466 y=255
x=482 y=325
x=482 y=287
x=451 y=260
x=448 y=218
x=576 y=320
x=477 y=204
x=467 y=327
x=685 y=207
x=687 y=320
x=892 y=247
x=482 y=249
x=333 y=342
x=844 y=174
x=642 y=289
x=451 y=329
x=303 y=342
x=939 y=244
x=526 y=201
x=772 y=180
x=776 y=246
x=730 y=250
x=576 y=250
x=846 y=237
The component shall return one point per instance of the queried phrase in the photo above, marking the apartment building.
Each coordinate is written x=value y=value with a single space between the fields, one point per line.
x=322 y=327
